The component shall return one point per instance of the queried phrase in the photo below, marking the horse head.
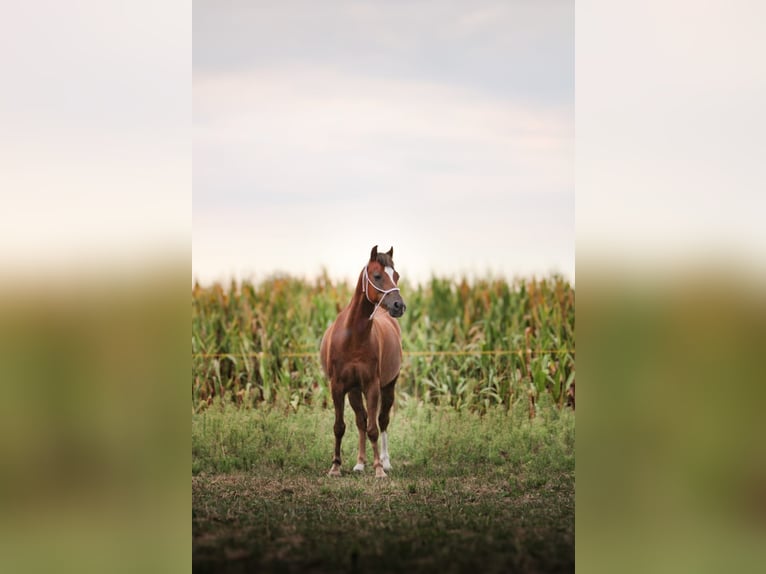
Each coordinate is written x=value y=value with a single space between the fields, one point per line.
x=379 y=283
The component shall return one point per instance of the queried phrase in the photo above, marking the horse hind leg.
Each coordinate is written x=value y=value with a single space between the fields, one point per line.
x=355 y=400
x=338 y=399
x=387 y=395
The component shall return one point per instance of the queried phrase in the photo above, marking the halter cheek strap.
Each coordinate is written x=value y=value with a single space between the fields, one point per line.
x=365 y=282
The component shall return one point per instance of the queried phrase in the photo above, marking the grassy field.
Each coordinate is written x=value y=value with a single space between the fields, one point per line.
x=481 y=440
x=491 y=492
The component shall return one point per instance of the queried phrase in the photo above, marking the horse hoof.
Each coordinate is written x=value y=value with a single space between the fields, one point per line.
x=386 y=465
x=359 y=467
x=379 y=473
x=334 y=472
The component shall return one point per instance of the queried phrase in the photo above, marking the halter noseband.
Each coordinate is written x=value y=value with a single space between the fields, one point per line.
x=365 y=281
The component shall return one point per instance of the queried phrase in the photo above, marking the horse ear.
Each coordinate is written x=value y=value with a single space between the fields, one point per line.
x=390 y=252
x=374 y=253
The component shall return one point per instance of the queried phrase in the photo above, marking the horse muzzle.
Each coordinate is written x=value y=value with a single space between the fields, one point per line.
x=397 y=307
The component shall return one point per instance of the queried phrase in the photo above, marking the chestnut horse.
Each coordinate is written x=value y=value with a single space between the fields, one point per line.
x=361 y=355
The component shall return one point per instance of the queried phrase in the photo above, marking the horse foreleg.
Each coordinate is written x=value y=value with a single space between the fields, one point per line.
x=387 y=395
x=355 y=400
x=338 y=399
x=373 y=406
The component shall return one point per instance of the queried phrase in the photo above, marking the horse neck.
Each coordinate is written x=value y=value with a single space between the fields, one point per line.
x=360 y=310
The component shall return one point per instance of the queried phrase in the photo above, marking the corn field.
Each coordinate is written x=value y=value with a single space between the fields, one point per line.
x=467 y=344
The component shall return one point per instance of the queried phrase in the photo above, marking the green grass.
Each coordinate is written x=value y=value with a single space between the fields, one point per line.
x=479 y=492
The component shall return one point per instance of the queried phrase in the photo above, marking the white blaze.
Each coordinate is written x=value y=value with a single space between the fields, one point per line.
x=390 y=272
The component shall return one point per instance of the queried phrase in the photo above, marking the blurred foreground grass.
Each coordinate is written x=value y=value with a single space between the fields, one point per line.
x=671 y=452
x=94 y=423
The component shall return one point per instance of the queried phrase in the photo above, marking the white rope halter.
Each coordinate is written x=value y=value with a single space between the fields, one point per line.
x=365 y=281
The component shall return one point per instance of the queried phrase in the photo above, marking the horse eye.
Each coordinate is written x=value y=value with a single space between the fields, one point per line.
x=377 y=276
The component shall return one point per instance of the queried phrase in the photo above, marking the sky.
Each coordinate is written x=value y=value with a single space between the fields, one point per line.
x=443 y=129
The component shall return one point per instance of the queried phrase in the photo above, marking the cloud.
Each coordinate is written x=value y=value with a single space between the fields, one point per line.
x=459 y=179
x=444 y=129
x=273 y=132
x=518 y=49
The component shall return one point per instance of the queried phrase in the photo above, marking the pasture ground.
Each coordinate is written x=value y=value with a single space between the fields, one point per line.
x=469 y=492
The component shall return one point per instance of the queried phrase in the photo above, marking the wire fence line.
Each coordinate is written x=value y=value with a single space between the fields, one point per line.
x=315 y=354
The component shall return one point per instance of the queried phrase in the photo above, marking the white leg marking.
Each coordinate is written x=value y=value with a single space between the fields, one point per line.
x=384 y=451
x=358 y=467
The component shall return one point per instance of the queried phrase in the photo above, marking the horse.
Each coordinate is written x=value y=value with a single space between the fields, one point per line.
x=361 y=354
